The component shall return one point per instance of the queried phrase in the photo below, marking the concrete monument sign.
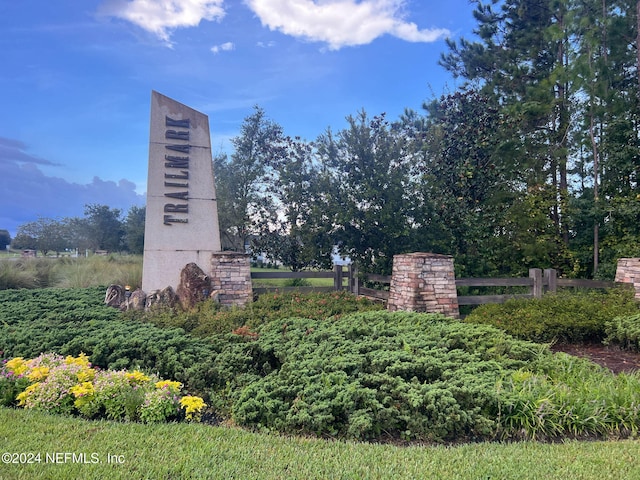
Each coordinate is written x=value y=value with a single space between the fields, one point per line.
x=181 y=225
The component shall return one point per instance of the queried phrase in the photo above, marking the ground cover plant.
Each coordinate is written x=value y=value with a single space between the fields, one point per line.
x=74 y=321
x=207 y=318
x=378 y=375
x=569 y=317
x=624 y=331
x=365 y=375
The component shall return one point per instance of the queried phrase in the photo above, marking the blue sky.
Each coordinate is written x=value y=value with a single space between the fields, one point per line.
x=77 y=75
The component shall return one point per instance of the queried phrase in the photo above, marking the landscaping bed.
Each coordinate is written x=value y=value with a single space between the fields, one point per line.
x=611 y=357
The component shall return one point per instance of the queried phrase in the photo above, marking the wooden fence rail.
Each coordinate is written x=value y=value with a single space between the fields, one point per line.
x=338 y=274
x=346 y=278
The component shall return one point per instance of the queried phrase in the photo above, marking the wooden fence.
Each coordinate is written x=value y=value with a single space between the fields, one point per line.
x=346 y=278
x=339 y=274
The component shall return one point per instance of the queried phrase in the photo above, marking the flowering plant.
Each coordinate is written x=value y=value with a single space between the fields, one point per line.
x=193 y=407
x=71 y=385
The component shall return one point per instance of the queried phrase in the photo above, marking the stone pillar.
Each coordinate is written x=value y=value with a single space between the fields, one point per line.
x=231 y=278
x=181 y=224
x=628 y=271
x=424 y=282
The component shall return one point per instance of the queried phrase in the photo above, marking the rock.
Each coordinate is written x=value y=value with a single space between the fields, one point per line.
x=115 y=296
x=136 y=301
x=195 y=286
x=165 y=298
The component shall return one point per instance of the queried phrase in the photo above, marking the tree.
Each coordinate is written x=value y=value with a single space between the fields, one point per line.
x=370 y=191
x=133 y=229
x=104 y=229
x=45 y=234
x=466 y=176
x=521 y=61
x=243 y=200
x=5 y=239
x=299 y=236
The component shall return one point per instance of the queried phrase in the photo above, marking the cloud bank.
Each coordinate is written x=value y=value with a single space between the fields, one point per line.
x=161 y=17
x=338 y=23
x=27 y=193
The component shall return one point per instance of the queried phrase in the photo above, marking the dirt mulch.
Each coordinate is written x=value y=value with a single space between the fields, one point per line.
x=612 y=358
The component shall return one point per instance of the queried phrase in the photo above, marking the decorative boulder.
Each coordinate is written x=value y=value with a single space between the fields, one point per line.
x=195 y=286
x=115 y=296
x=136 y=300
x=161 y=298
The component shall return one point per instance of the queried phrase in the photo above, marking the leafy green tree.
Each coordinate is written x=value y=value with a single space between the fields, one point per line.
x=467 y=177
x=243 y=201
x=370 y=191
x=299 y=237
x=521 y=60
x=133 y=229
x=45 y=235
x=104 y=229
x=5 y=239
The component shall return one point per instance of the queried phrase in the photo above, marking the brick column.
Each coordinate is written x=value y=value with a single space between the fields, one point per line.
x=628 y=271
x=424 y=282
x=231 y=278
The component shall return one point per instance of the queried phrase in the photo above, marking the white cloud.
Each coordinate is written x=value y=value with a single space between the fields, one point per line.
x=341 y=23
x=225 y=47
x=161 y=17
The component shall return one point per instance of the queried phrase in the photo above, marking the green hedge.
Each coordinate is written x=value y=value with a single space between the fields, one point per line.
x=564 y=317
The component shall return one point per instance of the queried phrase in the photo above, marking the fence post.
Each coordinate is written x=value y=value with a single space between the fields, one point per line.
x=337 y=277
x=536 y=274
x=551 y=279
x=354 y=282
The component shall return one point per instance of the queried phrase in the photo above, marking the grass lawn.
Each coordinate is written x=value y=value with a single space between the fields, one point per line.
x=283 y=282
x=176 y=451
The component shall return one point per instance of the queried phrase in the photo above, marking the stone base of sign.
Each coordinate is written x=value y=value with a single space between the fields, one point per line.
x=628 y=271
x=424 y=282
x=231 y=278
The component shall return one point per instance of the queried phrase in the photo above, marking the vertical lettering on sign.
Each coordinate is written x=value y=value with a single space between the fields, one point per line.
x=179 y=130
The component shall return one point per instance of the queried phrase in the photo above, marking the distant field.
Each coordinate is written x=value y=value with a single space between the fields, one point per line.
x=66 y=271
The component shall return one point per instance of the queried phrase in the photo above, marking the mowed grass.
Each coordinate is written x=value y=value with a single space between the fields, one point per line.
x=285 y=282
x=176 y=451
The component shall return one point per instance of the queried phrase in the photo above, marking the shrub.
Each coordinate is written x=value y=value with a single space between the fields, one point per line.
x=565 y=317
x=371 y=375
x=624 y=331
x=207 y=318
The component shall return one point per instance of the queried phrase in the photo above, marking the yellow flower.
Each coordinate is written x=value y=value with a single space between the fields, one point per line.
x=81 y=360
x=22 y=397
x=83 y=393
x=175 y=386
x=17 y=366
x=192 y=405
x=137 y=376
x=38 y=373
x=86 y=375
x=82 y=389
